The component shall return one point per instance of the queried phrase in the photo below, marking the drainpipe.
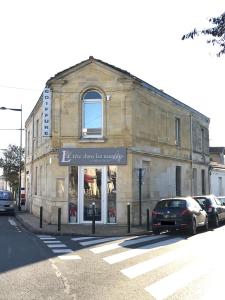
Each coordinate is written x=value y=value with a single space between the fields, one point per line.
x=191 y=154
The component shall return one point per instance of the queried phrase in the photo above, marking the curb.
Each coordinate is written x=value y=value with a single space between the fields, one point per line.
x=43 y=231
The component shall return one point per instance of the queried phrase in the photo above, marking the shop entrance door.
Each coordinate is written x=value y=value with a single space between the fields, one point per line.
x=92 y=191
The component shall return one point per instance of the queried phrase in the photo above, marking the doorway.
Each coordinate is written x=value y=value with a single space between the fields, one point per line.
x=92 y=190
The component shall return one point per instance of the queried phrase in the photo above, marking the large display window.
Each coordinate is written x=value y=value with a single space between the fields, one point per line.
x=73 y=195
x=90 y=185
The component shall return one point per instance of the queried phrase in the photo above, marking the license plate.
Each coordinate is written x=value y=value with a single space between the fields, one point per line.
x=171 y=216
x=170 y=223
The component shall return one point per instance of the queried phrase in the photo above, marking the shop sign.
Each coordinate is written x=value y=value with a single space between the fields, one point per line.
x=46 y=126
x=92 y=156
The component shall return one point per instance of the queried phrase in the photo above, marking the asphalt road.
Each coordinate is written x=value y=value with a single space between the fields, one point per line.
x=147 y=267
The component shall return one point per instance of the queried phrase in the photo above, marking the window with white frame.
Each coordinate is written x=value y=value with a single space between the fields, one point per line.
x=92 y=114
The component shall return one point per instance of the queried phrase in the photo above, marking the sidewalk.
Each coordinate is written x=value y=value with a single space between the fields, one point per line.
x=32 y=223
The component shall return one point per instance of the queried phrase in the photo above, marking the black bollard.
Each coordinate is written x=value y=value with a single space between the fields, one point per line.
x=147 y=223
x=41 y=216
x=128 y=218
x=59 y=219
x=93 y=218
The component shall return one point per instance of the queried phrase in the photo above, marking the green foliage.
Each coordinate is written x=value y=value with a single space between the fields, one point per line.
x=10 y=163
x=216 y=33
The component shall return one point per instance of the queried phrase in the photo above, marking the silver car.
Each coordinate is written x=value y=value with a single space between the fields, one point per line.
x=7 y=203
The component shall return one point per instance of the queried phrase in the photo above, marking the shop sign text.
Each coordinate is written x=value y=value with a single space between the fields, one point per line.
x=92 y=156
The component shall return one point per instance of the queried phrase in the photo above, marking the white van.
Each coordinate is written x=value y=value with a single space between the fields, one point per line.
x=7 y=203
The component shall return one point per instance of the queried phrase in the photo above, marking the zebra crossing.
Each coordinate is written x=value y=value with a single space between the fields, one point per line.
x=127 y=249
x=57 y=247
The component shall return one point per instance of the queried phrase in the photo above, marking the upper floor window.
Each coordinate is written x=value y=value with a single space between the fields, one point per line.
x=177 y=132
x=202 y=140
x=92 y=114
x=37 y=132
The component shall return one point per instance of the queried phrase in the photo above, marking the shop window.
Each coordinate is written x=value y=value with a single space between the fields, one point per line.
x=111 y=194
x=73 y=194
x=92 y=115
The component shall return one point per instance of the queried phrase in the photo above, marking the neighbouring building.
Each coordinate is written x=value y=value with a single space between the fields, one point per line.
x=217 y=171
x=101 y=135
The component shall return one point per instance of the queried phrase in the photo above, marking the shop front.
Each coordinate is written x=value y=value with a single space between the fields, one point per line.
x=93 y=176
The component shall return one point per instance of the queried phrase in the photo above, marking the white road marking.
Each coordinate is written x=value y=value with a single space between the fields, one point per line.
x=43 y=236
x=69 y=257
x=61 y=250
x=154 y=263
x=170 y=284
x=51 y=242
x=102 y=240
x=139 y=251
x=56 y=245
x=84 y=238
x=124 y=243
x=47 y=238
x=12 y=222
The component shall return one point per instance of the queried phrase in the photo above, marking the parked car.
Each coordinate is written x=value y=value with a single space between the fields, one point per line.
x=214 y=208
x=222 y=199
x=7 y=203
x=183 y=213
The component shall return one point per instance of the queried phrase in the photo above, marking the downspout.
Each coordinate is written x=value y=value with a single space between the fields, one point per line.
x=191 y=154
x=32 y=166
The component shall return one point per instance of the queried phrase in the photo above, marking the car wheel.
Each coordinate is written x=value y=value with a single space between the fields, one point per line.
x=193 y=229
x=216 y=221
x=206 y=224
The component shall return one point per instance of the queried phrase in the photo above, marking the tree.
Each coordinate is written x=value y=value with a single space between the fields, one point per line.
x=10 y=163
x=216 y=33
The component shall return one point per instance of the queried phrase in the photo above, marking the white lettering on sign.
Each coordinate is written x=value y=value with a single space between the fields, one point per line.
x=47 y=97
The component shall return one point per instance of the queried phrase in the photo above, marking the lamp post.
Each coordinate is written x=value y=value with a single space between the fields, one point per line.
x=20 y=149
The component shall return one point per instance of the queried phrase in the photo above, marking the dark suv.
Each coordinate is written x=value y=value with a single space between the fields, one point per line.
x=178 y=213
x=214 y=208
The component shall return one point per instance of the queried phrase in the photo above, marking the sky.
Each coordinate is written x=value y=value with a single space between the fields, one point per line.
x=40 y=38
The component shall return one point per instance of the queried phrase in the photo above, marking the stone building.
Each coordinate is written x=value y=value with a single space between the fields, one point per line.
x=101 y=135
x=217 y=171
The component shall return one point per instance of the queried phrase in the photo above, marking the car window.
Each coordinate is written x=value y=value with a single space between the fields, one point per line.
x=5 y=195
x=222 y=200
x=218 y=201
x=195 y=205
x=173 y=203
x=203 y=201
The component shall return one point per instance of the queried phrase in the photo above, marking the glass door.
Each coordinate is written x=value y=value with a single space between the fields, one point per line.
x=91 y=186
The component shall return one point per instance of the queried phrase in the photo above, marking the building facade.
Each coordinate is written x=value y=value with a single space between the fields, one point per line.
x=101 y=135
x=217 y=171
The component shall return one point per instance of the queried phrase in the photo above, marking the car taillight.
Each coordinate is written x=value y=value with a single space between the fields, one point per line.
x=185 y=212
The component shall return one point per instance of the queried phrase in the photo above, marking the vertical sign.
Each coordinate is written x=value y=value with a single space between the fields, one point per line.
x=46 y=127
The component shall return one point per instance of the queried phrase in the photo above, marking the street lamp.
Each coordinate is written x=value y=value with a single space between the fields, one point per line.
x=20 y=149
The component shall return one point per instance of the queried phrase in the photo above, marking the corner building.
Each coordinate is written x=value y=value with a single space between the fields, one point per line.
x=101 y=135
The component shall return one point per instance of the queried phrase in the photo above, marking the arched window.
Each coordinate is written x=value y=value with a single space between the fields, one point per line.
x=92 y=114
